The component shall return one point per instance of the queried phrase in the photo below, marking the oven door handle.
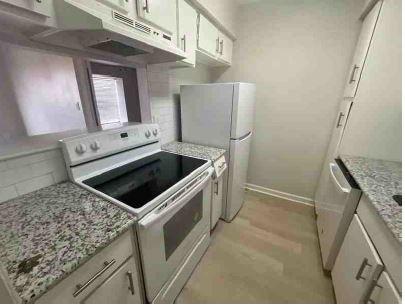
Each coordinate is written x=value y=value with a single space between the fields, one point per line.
x=155 y=216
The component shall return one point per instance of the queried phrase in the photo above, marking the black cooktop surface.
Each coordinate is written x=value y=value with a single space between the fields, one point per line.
x=138 y=182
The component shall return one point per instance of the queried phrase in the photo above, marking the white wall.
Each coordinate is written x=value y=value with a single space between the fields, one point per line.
x=39 y=93
x=164 y=92
x=298 y=54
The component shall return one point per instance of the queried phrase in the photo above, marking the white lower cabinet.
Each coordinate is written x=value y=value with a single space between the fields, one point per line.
x=107 y=270
x=122 y=287
x=384 y=292
x=358 y=270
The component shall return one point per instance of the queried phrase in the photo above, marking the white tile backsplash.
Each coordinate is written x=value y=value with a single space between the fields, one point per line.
x=22 y=175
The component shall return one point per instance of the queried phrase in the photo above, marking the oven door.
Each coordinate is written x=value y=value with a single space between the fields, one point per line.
x=169 y=233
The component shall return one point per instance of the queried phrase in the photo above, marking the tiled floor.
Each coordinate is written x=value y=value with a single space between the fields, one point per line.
x=268 y=254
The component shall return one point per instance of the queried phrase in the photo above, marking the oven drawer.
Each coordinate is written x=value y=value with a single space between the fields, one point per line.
x=91 y=274
x=168 y=234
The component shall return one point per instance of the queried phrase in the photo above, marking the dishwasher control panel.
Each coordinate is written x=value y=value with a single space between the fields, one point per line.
x=220 y=166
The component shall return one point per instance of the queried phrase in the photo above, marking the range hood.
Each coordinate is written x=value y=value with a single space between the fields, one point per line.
x=109 y=33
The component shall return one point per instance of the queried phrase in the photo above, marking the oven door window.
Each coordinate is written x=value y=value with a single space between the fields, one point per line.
x=182 y=223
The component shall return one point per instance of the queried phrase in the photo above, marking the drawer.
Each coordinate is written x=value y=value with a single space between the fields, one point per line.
x=122 y=287
x=92 y=273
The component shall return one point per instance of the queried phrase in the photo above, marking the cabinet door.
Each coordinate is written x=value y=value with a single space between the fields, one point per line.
x=187 y=31
x=119 y=5
x=225 y=48
x=216 y=205
x=361 y=50
x=355 y=266
x=161 y=13
x=122 y=287
x=208 y=36
x=384 y=292
x=43 y=7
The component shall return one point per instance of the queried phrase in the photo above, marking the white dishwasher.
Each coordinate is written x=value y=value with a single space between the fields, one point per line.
x=335 y=211
x=217 y=190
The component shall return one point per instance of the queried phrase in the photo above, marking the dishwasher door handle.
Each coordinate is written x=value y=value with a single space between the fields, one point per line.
x=333 y=166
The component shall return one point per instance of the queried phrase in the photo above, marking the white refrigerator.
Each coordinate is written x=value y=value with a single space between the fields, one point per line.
x=221 y=115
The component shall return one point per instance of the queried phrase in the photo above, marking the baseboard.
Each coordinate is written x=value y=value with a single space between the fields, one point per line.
x=279 y=194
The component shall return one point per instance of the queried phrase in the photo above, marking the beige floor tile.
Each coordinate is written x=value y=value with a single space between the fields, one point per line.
x=268 y=254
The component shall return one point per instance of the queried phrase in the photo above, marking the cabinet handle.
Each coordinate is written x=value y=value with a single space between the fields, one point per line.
x=80 y=288
x=131 y=282
x=183 y=39
x=216 y=187
x=146 y=7
x=339 y=122
x=222 y=47
x=361 y=269
x=372 y=284
x=217 y=48
x=353 y=74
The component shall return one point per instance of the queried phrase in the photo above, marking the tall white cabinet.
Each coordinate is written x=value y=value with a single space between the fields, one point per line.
x=374 y=127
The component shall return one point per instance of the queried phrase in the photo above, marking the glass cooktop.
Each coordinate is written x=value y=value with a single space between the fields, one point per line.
x=138 y=182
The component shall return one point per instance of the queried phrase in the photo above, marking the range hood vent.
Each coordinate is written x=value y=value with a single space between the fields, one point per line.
x=117 y=48
x=131 y=22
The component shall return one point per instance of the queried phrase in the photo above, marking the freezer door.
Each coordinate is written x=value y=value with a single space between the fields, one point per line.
x=237 y=176
x=336 y=211
x=243 y=108
x=206 y=113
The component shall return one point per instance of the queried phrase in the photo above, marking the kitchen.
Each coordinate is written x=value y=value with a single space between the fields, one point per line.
x=176 y=151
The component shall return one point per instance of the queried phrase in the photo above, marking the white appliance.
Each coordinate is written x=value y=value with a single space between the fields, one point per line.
x=221 y=115
x=169 y=194
x=335 y=211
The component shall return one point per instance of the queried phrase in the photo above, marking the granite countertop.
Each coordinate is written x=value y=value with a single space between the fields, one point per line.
x=197 y=151
x=47 y=234
x=379 y=180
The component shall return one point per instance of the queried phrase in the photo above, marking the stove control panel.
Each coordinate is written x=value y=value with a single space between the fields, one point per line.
x=91 y=146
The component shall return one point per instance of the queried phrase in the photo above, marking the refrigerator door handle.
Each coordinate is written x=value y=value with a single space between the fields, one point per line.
x=241 y=139
x=333 y=166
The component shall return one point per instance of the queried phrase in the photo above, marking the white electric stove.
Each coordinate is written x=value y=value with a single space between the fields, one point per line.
x=169 y=194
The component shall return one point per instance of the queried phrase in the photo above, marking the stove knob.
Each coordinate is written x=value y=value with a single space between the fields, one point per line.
x=155 y=132
x=148 y=134
x=95 y=145
x=81 y=149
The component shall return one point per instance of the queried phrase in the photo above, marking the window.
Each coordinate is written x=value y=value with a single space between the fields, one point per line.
x=109 y=99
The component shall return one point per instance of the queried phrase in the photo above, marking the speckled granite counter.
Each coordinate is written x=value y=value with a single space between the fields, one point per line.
x=198 y=151
x=379 y=180
x=46 y=234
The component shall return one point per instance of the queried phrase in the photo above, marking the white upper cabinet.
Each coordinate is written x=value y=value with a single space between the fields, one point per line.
x=225 y=48
x=360 y=53
x=216 y=47
x=208 y=36
x=161 y=13
x=187 y=31
x=119 y=5
x=42 y=7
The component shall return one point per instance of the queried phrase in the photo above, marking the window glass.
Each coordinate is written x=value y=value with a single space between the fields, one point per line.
x=110 y=99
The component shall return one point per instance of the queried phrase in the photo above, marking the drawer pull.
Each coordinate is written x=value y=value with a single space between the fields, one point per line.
x=216 y=188
x=361 y=269
x=80 y=288
x=372 y=284
x=131 y=282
